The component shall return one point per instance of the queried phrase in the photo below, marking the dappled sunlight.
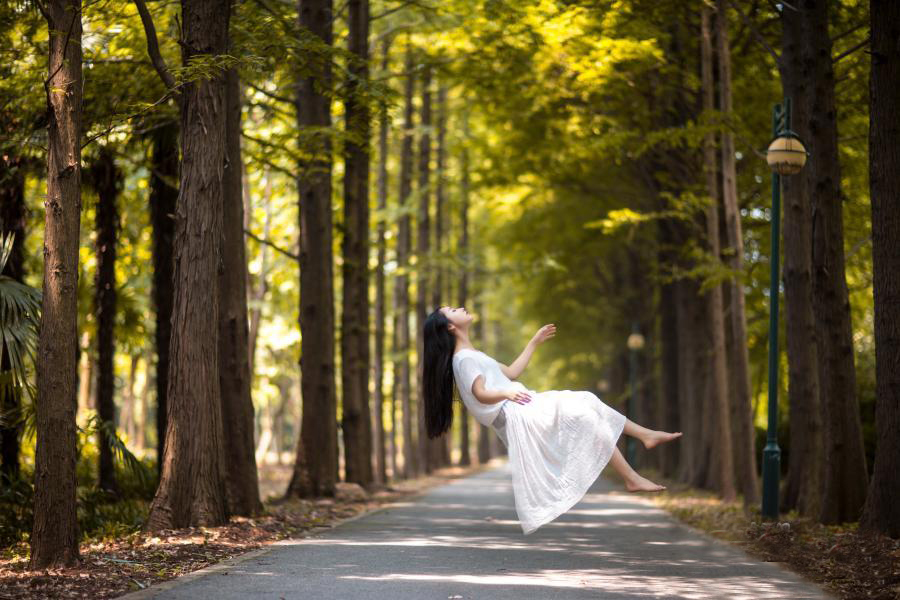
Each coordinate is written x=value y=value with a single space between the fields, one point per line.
x=617 y=581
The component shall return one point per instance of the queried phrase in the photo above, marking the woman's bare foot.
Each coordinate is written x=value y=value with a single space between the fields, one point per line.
x=658 y=437
x=642 y=484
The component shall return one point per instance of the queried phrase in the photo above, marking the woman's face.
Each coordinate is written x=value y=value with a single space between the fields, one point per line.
x=459 y=317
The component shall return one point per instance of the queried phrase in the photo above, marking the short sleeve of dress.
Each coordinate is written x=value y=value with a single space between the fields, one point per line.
x=466 y=373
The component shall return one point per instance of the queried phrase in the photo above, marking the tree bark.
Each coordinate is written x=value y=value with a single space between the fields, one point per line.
x=846 y=475
x=882 y=511
x=740 y=415
x=107 y=181
x=54 y=536
x=723 y=457
x=401 y=291
x=13 y=215
x=316 y=466
x=379 y=362
x=670 y=374
x=192 y=487
x=356 y=416
x=803 y=485
x=234 y=356
x=164 y=172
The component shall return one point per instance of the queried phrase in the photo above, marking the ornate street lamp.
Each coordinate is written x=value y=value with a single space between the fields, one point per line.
x=786 y=156
x=635 y=343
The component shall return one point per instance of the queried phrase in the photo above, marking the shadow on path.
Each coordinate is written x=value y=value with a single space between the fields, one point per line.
x=463 y=540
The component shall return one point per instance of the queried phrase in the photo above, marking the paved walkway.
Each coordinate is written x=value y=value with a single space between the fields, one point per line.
x=462 y=540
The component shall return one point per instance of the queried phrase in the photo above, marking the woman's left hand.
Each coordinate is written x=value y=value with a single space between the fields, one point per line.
x=544 y=333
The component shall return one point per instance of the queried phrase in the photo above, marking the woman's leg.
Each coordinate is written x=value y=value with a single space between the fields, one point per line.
x=649 y=437
x=633 y=481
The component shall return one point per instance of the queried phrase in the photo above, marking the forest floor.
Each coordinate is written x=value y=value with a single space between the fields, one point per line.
x=850 y=563
x=114 y=565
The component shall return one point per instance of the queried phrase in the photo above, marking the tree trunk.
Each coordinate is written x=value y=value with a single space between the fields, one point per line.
x=107 y=181
x=163 y=195
x=379 y=363
x=316 y=466
x=12 y=222
x=465 y=457
x=429 y=450
x=723 y=457
x=356 y=416
x=401 y=292
x=54 y=537
x=259 y=290
x=234 y=356
x=802 y=488
x=882 y=511
x=845 y=472
x=740 y=416
x=670 y=374
x=192 y=488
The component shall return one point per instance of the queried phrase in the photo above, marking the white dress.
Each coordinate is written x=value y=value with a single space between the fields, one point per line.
x=557 y=444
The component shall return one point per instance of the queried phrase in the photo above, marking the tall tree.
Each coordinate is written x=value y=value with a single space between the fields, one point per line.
x=379 y=362
x=741 y=417
x=429 y=449
x=401 y=283
x=192 y=489
x=465 y=456
x=233 y=351
x=164 y=172
x=723 y=457
x=54 y=536
x=356 y=416
x=12 y=222
x=802 y=488
x=316 y=466
x=107 y=181
x=882 y=511
x=846 y=475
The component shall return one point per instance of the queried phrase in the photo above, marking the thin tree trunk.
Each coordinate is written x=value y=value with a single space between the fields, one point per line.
x=671 y=376
x=192 y=488
x=846 y=475
x=740 y=417
x=316 y=465
x=882 y=511
x=12 y=222
x=164 y=172
x=723 y=457
x=107 y=181
x=54 y=537
x=429 y=452
x=356 y=415
x=379 y=363
x=802 y=488
x=234 y=358
x=465 y=457
x=440 y=228
x=260 y=289
x=401 y=292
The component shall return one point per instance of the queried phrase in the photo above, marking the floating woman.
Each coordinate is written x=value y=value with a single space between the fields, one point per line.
x=558 y=441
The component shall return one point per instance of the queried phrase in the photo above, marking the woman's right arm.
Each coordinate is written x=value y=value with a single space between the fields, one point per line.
x=486 y=396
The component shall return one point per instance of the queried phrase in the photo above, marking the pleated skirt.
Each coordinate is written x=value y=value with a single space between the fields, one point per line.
x=558 y=444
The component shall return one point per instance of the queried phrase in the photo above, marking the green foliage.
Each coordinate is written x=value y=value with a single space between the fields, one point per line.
x=19 y=322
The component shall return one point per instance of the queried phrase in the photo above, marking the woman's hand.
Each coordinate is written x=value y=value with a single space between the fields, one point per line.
x=544 y=333
x=518 y=396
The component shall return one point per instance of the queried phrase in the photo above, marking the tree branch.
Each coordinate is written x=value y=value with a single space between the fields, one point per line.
x=759 y=38
x=851 y=50
x=153 y=46
x=275 y=247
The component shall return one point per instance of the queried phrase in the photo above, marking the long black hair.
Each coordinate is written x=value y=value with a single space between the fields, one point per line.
x=437 y=374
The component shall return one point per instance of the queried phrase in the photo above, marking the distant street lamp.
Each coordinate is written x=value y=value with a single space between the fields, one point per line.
x=635 y=343
x=786 y=156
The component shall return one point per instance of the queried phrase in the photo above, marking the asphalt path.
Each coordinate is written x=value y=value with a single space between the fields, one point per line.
x=462 y=540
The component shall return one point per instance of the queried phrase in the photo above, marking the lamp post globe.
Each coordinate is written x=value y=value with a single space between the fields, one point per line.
x=786 y=154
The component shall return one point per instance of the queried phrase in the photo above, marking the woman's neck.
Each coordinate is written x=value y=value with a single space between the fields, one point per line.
x=462 y=341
